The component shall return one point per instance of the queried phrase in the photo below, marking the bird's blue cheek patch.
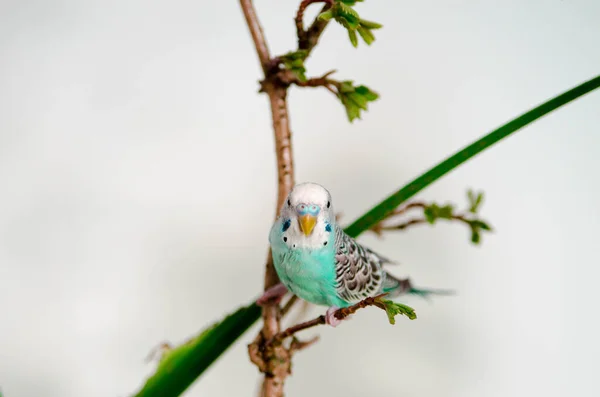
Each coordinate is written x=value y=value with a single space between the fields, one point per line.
x=328 y=228
x=286 y=225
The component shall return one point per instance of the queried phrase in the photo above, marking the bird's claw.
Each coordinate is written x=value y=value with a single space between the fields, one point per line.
x=273 y=294
x=330 y=317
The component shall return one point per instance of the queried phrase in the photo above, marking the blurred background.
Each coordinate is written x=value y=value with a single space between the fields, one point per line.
x=137 y=181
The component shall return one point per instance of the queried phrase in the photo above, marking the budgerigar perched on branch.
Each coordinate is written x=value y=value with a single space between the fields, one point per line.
x=321 y=264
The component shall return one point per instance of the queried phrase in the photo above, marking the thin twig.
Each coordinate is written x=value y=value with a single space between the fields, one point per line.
x=313 y=33
x=300 y=18
x=416 y=221
x=407 y=207
x=258 y=37
x=296 y=328
x=380 y=227
x=298 y=345
x=400 y=226
x=340 y=315
x=288 y=305
x=323 y=81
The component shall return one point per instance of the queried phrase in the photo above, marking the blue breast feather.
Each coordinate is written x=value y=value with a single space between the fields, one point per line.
x=308 y=273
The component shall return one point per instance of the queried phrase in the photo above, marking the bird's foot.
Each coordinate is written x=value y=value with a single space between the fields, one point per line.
x=330 y=317
x=273 y=294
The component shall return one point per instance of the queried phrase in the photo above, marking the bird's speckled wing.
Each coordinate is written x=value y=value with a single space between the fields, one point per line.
x=359 y=272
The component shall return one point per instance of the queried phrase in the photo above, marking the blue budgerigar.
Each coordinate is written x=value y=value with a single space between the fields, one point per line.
x=318 y=262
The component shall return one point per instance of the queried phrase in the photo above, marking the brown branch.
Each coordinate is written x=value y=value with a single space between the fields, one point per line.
x=296 y=328
x=258 y=37
x=340 y=315
x=301 y=33
x=379 y=228
x=407 y=207
x=274 y=362
x=313 y=33
x=283 y=141
x=277 y=360
x=323 y=81
x=418 y=221
x=318 y=81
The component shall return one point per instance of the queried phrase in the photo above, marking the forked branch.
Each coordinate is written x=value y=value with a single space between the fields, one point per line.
x=431 y=213
x=308 y=39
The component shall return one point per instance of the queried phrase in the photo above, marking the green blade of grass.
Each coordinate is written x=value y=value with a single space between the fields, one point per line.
x=181 y=366
x=387 y=206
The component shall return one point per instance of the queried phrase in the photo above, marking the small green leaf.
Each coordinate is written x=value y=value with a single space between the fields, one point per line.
x=434 y=212
x=474 y=201
x=479 y=200
x=358 y=99
x=294 y=61
x=300 y=54
x=370 y=25
x=346 y=11
x=471 y=197
x=366 y=35
x=353 y=38
x=430 y=214
x=352 y=111
x=479 y=224
x=346 y=86
x=326 y=15
x=445 y=212
x=475 y=236
x=367 y=93
x=392 y=309
x=346 y=16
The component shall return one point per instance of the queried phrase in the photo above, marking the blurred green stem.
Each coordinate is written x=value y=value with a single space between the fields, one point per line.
x=387 y=206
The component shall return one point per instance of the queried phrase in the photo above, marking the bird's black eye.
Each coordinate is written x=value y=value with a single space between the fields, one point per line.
x=289 y=203
x=328 y=204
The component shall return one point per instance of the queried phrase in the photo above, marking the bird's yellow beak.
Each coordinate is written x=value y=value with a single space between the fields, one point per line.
x=307 y=224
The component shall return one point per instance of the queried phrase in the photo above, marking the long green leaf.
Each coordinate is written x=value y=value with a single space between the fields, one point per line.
x=181 y=366
x=387 y=206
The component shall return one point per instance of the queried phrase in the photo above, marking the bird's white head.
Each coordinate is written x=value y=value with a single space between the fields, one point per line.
x=307 y=216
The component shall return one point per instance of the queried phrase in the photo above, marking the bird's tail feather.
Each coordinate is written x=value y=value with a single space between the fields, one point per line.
x=396 y=287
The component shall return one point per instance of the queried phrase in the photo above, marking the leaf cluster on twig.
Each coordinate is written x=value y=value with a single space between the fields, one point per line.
x=343 y=13
x=432 y=212
x=289 y=68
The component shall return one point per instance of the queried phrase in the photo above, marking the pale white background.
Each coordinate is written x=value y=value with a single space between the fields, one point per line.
x=137 y=187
